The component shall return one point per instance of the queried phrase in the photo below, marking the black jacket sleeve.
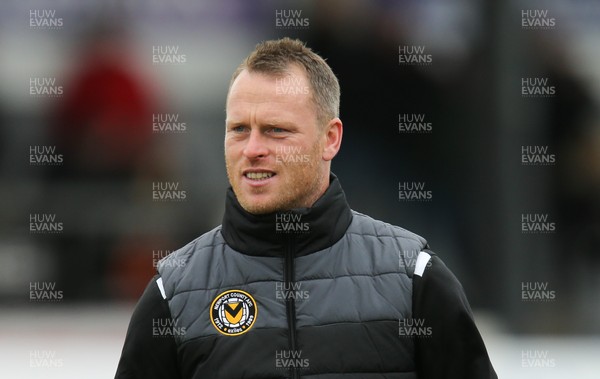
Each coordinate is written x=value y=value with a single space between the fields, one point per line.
x=454 y=348
x=149 y=352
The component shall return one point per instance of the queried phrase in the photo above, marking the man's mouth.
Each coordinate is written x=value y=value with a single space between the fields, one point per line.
x=258 y=175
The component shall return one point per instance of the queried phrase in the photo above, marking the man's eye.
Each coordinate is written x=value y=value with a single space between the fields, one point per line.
x=277 y=130
x=239 y=129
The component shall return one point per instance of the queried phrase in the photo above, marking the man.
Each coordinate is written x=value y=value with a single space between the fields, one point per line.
x=294 y=283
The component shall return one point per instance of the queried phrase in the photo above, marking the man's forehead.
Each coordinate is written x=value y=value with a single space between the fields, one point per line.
x=269 y=113
x=272 y=94
x=292 y=81
x=291 y=69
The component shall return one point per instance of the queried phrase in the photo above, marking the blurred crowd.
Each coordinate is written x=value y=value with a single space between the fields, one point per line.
x=127 y=123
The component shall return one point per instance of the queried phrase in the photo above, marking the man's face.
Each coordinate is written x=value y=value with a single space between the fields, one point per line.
x=273 y=145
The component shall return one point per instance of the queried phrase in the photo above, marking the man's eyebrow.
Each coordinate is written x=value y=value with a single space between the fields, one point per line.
x=265 y=124
x=275 y=122
x=234 y=122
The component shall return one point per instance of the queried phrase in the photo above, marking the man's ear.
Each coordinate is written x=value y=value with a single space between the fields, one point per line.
x=333 y=138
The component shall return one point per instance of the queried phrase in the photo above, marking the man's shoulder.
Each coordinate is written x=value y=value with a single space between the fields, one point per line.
x=180 y=257
x=367 y=226
x=387 y=240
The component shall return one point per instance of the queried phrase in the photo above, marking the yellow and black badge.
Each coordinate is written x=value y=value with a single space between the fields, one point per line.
x=233 y=312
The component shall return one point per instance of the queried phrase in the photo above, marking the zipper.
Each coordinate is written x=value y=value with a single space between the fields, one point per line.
x=290 y=303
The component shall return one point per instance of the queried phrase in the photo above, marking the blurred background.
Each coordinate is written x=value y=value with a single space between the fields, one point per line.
x=474 y=123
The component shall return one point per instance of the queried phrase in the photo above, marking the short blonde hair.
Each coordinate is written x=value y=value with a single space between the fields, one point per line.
x=275 y=56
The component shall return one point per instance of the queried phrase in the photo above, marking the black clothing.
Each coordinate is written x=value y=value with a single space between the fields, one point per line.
x=323 y=292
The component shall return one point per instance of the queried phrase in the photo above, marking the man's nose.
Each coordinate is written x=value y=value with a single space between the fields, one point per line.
x=256 y=146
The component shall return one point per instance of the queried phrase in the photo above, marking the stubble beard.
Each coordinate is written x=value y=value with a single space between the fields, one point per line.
x=302 y=186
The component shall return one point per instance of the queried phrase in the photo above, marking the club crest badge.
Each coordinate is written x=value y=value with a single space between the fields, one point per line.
x=233 y=312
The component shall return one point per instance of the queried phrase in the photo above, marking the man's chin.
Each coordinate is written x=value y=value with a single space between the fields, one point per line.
x=259 y=209
x=258 y=204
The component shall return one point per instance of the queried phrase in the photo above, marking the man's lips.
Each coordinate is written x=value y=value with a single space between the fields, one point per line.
x=257 y=175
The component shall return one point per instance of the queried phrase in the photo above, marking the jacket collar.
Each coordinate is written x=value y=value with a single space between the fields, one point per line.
x=304 y=230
